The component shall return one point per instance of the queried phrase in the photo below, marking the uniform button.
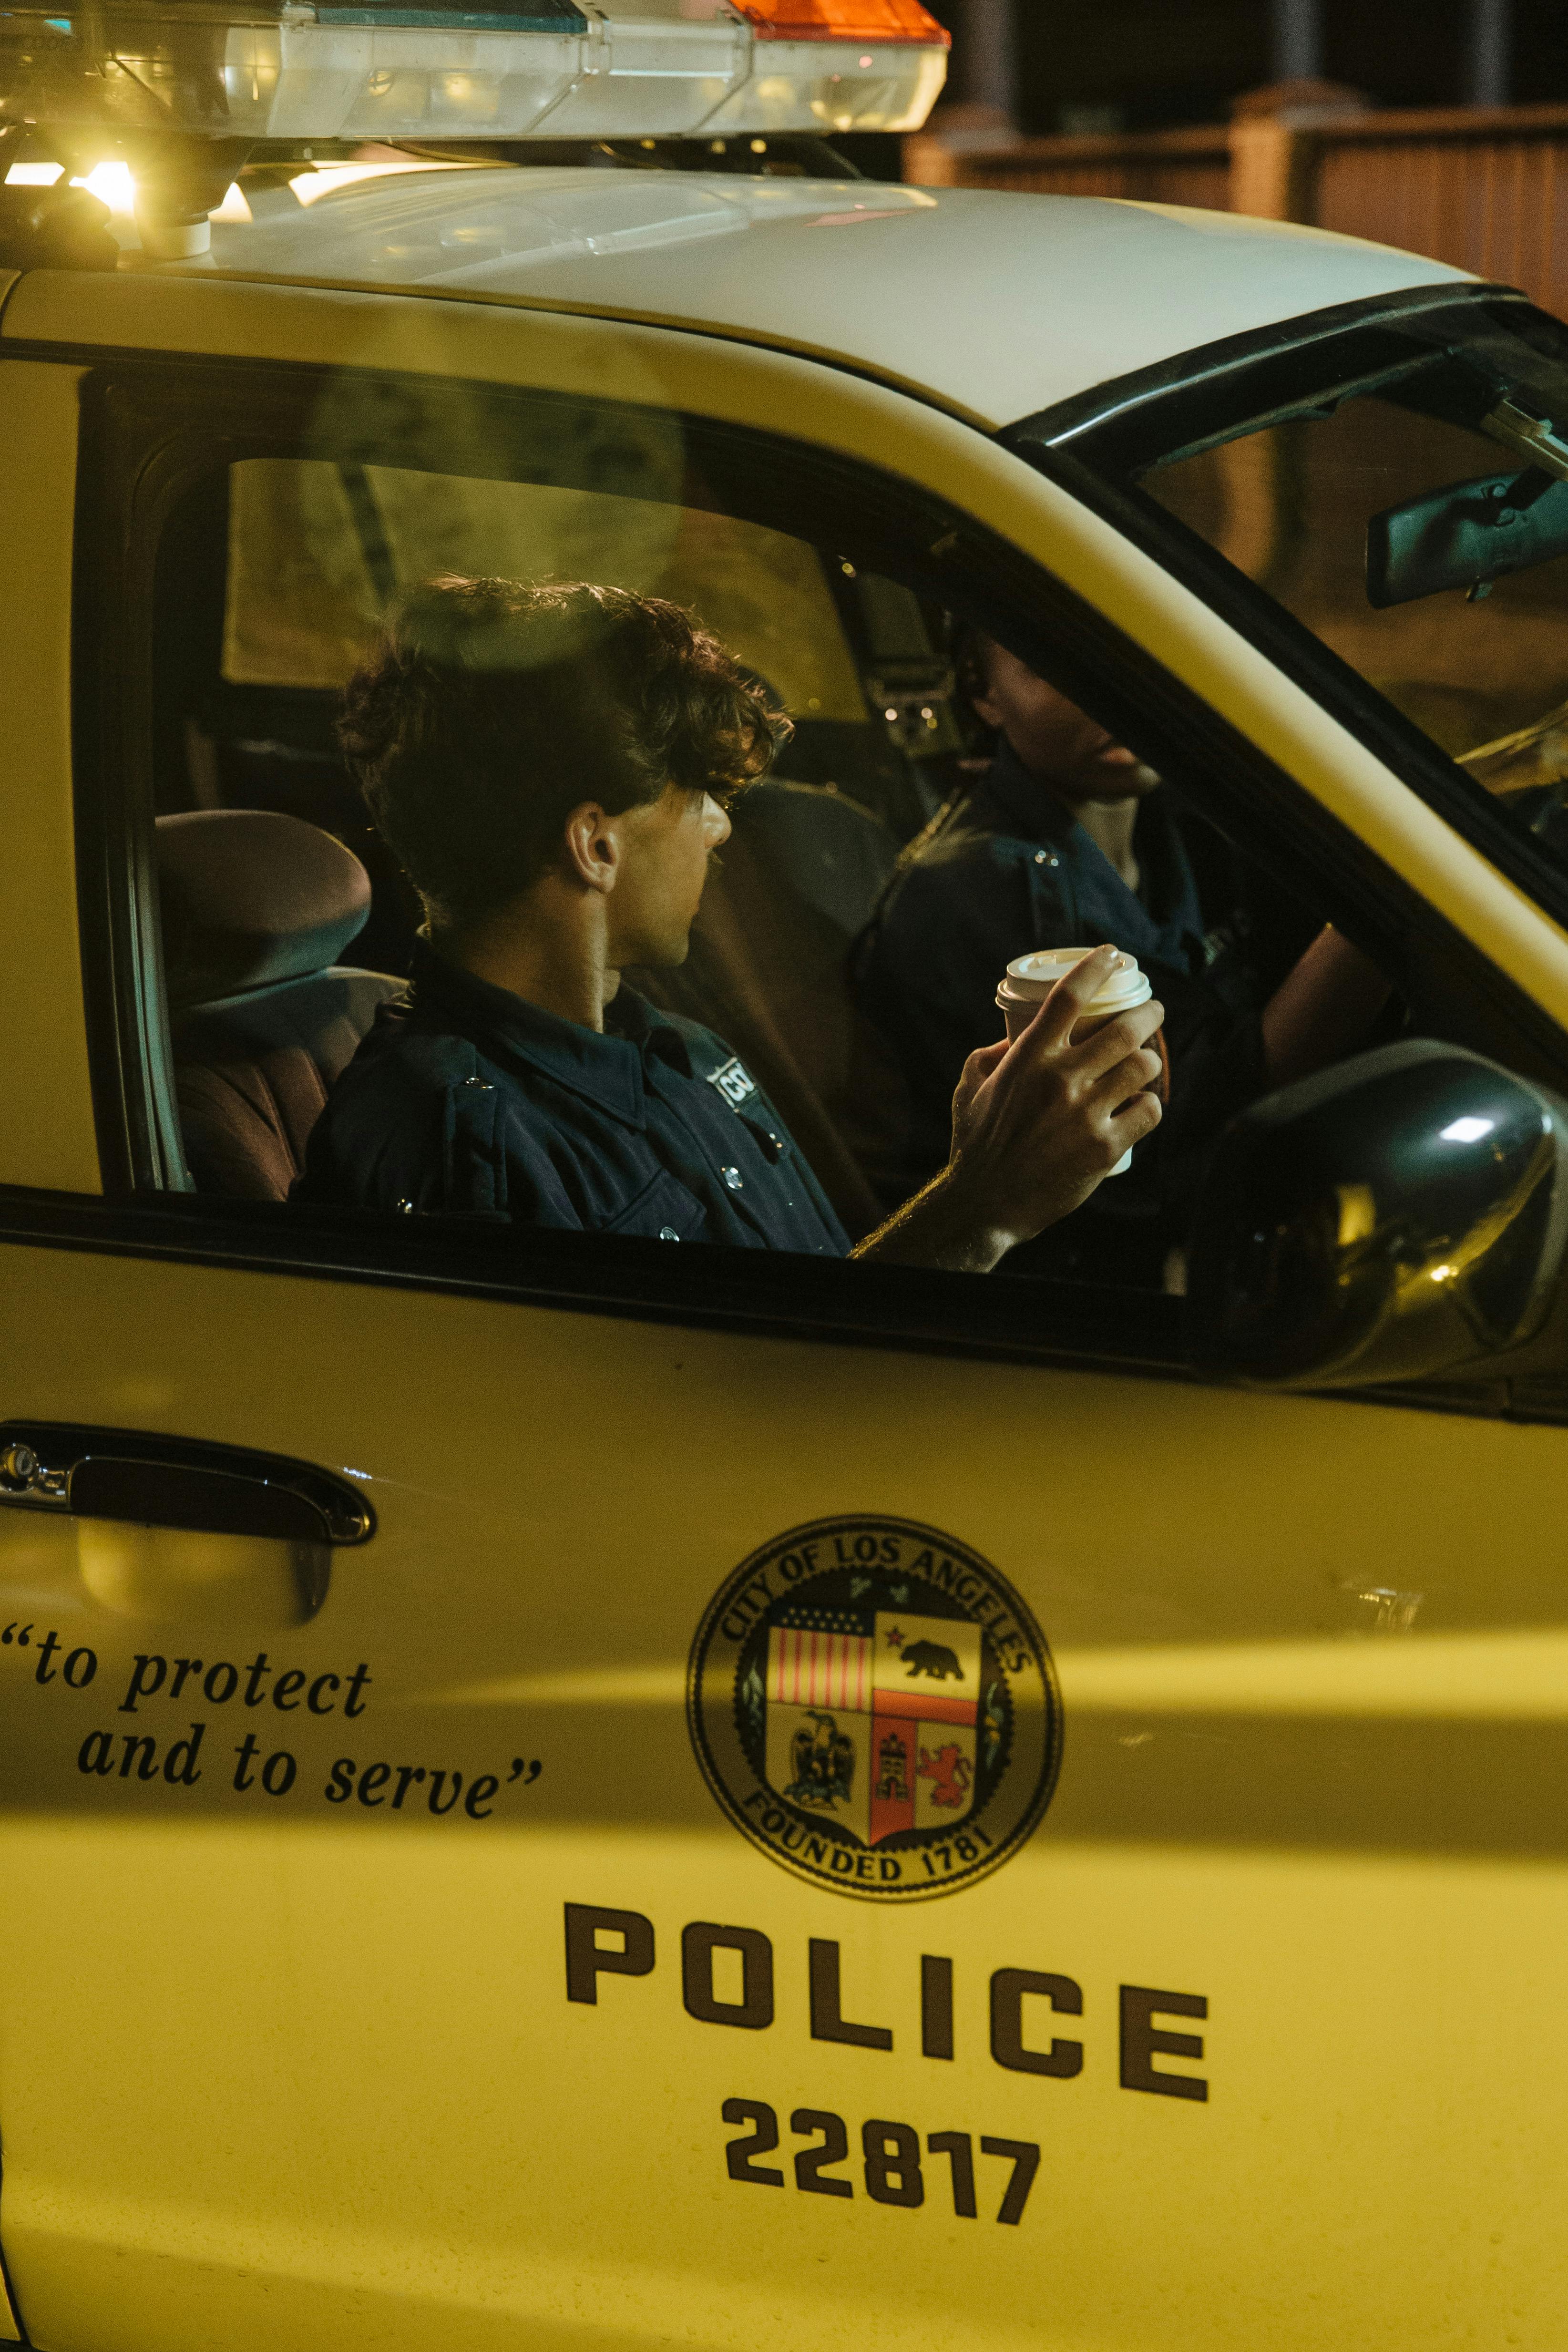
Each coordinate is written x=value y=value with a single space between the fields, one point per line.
x=773 y=1145
x=731 y=1179
x=1042 y=859
x=668 y=1233
x=480 y=1085
x=403 y=1208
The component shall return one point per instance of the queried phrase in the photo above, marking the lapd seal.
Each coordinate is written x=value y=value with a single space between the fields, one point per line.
x=872 y=1702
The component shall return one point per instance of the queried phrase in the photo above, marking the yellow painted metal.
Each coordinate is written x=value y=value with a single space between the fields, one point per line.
x=281 y=2073
x=47 y=1135
x=703 y=374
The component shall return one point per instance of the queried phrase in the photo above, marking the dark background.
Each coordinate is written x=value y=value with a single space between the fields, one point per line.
x=1146 y=64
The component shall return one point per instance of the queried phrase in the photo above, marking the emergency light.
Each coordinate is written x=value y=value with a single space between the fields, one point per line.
x=449 y=69
x=844 y=20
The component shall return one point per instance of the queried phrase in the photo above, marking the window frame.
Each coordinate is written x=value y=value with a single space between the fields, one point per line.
x=1097 y=445
x=152 y=425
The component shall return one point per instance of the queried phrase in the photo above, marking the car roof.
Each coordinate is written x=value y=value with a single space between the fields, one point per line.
x=993 y=304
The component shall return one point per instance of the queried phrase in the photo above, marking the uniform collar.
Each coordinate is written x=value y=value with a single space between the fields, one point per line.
x=1030 y=811
x=605 y=1069
x=1008 y=798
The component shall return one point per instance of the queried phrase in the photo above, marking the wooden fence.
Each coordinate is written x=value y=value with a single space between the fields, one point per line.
x=1160 y=167
x=1486 y=189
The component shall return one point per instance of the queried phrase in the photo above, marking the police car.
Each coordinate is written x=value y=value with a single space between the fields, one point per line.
x=512 y=1744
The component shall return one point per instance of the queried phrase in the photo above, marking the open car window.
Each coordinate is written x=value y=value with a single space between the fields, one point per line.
x=277 y=571
x=855 y=606
x=1402 y=492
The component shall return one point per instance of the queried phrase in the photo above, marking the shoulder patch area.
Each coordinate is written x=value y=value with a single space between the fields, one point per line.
x=734 y=1082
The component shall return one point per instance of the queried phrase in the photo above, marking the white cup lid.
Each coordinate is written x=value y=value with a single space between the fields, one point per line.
x=1034 y=977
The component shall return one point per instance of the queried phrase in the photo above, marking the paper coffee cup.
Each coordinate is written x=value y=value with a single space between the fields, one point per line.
x=1029 y=980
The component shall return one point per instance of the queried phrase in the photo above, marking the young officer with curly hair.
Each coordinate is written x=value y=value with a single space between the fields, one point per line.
x=551 y=765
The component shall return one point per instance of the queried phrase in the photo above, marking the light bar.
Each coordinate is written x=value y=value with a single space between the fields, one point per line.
x=358 y=69
x=845 y=20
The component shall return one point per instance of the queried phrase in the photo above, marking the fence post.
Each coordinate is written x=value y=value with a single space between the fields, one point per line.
x=1298 y=39
x=984 y=46
x=979 y=108
x=1488 y=70
x=1277 y=144
x=930 y=161
x=1273 y=169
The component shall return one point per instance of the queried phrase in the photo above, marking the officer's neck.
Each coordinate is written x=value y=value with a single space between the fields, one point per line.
x=1109 y=826
x=549 y=946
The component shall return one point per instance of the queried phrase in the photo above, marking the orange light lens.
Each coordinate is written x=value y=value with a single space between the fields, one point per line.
x=845 y=20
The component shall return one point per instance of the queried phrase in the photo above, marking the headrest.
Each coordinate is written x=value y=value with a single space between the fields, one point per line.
x=250 y=898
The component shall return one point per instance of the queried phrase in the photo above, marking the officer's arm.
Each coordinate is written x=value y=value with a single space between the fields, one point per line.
x=1322 y=1011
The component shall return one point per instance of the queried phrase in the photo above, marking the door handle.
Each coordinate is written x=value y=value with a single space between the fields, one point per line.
x=175 y=1528
x=176 y=1481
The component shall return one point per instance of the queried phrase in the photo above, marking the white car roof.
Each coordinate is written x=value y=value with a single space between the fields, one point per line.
x=994 y=305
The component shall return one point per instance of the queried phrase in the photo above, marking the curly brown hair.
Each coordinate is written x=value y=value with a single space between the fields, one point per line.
x=490 y=710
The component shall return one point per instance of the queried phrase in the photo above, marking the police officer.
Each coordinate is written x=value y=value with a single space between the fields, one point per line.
x=1069 y=838
x=550 y=765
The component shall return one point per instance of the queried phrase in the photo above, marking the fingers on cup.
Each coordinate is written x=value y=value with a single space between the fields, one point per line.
x=1127 y=1035
x=983 y=1061
x=1139 y=1117
x=1072 y=996
x=1136 y=1072
x=1084 y=982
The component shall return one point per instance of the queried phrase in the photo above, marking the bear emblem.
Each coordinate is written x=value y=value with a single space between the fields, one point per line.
x=929 y=1658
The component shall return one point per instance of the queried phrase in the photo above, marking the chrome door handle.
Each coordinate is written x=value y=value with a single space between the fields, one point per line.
x=176 y=1481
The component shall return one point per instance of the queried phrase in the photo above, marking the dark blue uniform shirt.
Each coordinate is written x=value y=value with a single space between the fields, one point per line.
x=1015 y=871
x=465 y=1098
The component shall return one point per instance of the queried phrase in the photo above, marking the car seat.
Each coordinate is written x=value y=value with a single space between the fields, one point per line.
x=794 y=886
x=257 y=908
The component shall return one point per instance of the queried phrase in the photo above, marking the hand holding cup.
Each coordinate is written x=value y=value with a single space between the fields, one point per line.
x=1029 y=980
x=1042 y=1117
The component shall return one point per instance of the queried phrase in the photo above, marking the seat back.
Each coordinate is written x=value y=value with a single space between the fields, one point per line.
x=256 y=907
x=252 y=1075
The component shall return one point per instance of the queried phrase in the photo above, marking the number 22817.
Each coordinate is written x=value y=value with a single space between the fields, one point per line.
x=891 y=2158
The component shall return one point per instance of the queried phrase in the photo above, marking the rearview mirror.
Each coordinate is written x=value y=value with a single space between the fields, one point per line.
x=1466 y=536
x=1396 y=1217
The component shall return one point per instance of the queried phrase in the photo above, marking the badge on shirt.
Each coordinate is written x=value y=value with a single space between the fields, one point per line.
x=735 y=1082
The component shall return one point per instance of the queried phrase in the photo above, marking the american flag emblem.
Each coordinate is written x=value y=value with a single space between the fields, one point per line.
x=872 y=1720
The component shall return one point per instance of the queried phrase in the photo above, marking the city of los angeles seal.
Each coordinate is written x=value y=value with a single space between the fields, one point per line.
x=875 y=1708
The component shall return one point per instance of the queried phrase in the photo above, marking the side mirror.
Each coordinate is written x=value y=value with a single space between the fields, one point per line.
x=1399 y=1216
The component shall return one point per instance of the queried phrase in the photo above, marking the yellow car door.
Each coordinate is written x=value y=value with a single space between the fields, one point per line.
x=564 y=1791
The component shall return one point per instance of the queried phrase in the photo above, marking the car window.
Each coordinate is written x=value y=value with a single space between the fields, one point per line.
x=1292 y=507
x=278 y=572
x=316 y=548
x=908 y=844
x=1407 y=504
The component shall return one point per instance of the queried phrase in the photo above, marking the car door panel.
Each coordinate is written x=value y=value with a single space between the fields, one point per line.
x=279 y=2067
x=47 y=1136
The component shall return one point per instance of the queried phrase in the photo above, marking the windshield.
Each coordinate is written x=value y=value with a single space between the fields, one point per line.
x=1402 y=490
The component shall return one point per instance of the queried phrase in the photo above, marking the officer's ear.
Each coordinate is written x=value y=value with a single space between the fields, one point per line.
x=974 y=665
x=594 y=849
